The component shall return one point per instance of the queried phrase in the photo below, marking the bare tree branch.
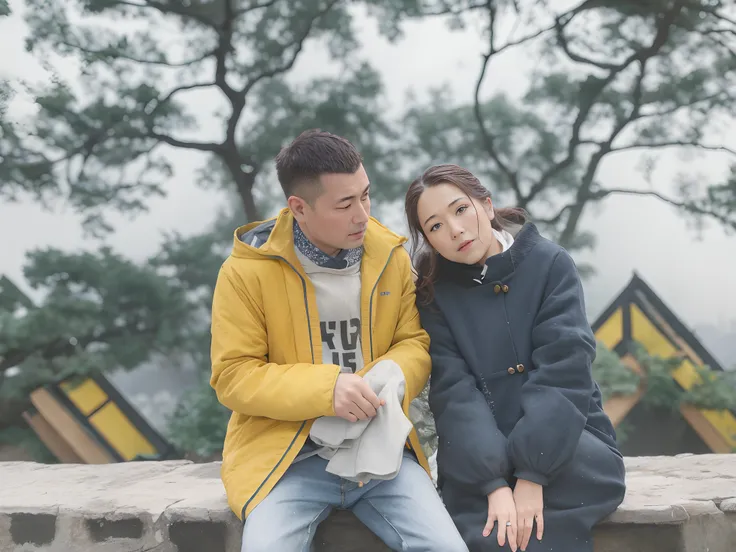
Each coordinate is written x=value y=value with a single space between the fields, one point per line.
x=722 y=17
x=716 y=39
x=583 y=193
x=454 y=10
x=174 y=91
x=224 y=47
x=684 y=205
x=485 y=5
x=557 y=216
x=718 y=96
x=719 y=30
x=595 y=88
x=243 y=180
x=289 y=63
x=168 y=8
x=673 y=143
x=488 y=139
x=111 y=52
x=253 y=7
x=578 y=58
x=200 y=146
x=524 y=39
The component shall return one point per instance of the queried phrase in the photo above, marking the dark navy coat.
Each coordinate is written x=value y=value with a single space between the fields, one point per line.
x=512 y=393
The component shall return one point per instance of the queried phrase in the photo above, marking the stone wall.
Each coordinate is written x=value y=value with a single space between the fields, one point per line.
x=673 y=504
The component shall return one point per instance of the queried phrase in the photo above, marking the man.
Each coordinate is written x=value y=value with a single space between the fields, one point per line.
x=306 y=304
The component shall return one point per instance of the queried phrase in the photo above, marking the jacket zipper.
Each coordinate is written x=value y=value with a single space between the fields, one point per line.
x=311 y=348
x=370 y=314
x=370 y=302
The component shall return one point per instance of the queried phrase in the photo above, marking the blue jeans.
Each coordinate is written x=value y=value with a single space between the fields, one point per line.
x=405 y=512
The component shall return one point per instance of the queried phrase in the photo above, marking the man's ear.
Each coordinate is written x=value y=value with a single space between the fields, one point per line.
x=298 y=207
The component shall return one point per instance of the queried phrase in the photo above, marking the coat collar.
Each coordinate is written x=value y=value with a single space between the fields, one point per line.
x=275 y=238
x=497 y=268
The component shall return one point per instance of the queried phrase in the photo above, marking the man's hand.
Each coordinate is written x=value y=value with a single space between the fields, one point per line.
x=501 y=508
x=354 y=399
x=529 y=507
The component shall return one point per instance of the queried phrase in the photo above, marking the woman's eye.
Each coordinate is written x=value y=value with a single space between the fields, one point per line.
x=462 y=209
x=435 y=227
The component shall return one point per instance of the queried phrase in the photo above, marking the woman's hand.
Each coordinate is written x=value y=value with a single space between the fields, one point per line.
x=529 y=506
x=501 y=508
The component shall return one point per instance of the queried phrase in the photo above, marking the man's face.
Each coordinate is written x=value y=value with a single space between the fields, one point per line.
x=338 y=217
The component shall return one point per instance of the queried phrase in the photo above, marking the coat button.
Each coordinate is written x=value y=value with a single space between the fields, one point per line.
x=505 y=288
x=497 y=288
x=511 y=370
x=519 y=367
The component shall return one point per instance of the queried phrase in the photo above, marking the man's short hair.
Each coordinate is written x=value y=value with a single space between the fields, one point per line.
x=312 y=154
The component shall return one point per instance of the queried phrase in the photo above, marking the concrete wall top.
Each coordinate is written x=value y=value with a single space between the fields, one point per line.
x=180 y=506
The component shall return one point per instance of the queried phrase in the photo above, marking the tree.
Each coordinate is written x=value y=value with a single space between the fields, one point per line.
x=99 y=312
x=613 y=78
x=102 y=144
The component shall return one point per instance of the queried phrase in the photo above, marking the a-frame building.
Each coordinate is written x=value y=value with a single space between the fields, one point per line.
x=86 y=419
x=639 y=315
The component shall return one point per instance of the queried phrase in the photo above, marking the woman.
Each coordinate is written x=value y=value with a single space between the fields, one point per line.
x=527 y=458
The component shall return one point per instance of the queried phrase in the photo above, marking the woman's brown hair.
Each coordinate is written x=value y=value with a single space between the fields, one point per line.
x=425 y=258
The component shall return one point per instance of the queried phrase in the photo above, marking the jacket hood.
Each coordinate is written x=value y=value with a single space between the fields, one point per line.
x=275 y=238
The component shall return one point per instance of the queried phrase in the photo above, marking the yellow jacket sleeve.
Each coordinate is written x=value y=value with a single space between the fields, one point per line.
x=242 y=377
x=410 y=346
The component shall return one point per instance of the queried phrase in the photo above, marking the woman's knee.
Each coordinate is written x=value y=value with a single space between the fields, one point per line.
x=594 y=478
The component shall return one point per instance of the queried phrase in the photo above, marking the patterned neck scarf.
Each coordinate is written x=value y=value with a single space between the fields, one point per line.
x=344 y=259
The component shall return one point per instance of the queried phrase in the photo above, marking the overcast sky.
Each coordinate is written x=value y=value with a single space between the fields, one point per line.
x=693 y=276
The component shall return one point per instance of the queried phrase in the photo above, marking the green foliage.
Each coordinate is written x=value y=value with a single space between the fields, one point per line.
x=4 y=8
x=623 y=430
x=28 y=441
x=613 y=377
x=199 y=423
x=98 y=312
x=716 y=390
x=103 y=143
x=8 y=138
x=348 y=105
x=614 y=77
x=5 y=94
x=661 y=389
x=421 y=417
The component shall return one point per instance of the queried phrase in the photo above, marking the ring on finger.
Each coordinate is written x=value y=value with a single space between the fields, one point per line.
x=508 y=524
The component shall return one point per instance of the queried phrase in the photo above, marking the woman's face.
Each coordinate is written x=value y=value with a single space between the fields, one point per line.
x=456 y=226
